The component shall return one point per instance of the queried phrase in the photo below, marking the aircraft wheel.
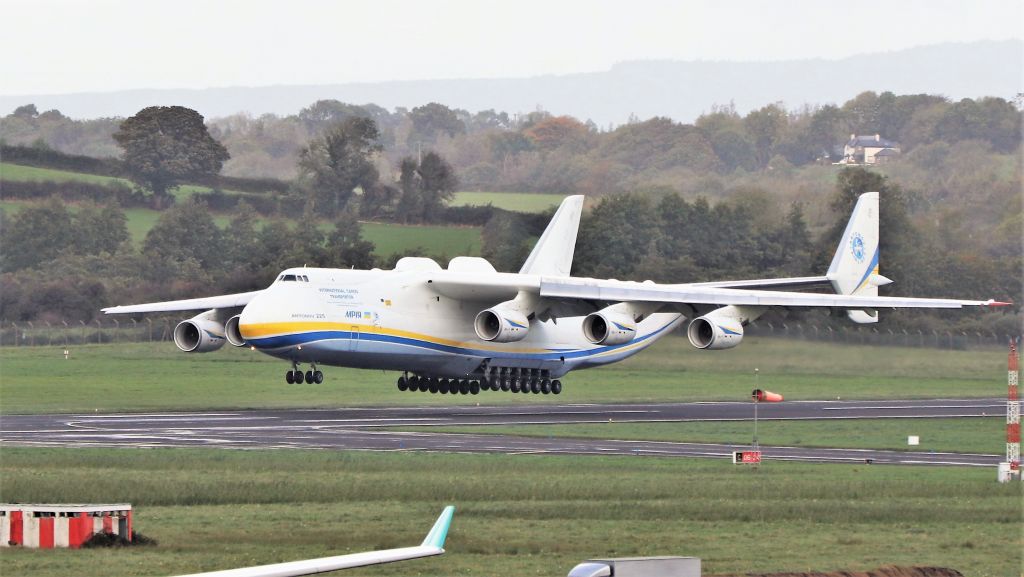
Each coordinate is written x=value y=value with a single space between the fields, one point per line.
x=545 y=386
x=432 y=386
x=310 y=377
x=298 y=377
x=318 y=377
x=442 y=386
x=289 y=378
x=474 y=388
x=514 y=385
x=556 y=386
x=535 y=386
x=464 y=387
x=506 y=384
x=403 y=384
x=424 y=384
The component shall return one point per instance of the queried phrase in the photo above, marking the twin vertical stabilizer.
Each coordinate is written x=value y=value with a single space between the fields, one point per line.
x=552 y=256
x=854 y=269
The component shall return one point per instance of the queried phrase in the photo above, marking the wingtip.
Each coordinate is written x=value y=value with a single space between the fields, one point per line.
x=995 y=303
x=439 y=532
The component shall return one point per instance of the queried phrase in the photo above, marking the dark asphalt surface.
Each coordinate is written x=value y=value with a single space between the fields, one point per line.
x=362 y=428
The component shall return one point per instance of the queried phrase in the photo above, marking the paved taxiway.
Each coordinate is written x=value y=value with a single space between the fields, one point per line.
x=363 y=428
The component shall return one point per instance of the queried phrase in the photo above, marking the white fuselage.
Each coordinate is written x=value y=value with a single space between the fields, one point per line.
x=393 y=320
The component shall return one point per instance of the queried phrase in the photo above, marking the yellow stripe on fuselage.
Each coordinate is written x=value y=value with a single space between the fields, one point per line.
x=262 y=330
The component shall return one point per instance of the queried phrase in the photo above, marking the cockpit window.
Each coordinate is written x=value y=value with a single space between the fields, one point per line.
x=288 y=277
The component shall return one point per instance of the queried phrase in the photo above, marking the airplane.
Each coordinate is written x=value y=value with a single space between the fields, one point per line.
x=432 y=545
x=469 y=328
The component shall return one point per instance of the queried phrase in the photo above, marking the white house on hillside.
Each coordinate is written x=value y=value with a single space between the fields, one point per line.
x=869 y=149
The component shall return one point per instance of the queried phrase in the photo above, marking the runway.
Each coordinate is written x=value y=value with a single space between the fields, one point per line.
x=367 y=429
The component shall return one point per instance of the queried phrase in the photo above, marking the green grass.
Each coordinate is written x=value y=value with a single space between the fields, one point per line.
x=20 y=173
x=450 y=241
x=952 y=435
x=523 y=515
x=152 y=376
x=518 y=201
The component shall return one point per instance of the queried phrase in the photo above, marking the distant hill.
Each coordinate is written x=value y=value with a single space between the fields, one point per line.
x=677 y=89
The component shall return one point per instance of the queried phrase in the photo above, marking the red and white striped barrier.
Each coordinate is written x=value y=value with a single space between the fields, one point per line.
x=49 y=526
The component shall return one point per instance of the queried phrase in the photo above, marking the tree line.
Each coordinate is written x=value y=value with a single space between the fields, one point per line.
x=544 y=152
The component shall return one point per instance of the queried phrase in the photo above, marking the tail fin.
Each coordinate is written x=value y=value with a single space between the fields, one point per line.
x=553 y=253
x=854 y=269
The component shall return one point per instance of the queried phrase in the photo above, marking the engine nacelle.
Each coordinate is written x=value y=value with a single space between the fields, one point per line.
x=501 y=324
x=609 y=328
x=715 y=332
x=199 y=334
x=232 y=333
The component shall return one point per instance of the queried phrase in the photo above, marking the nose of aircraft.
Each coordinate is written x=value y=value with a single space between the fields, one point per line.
x=255 y=314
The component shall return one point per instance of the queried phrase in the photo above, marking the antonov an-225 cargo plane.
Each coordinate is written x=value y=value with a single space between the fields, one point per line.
x=469 y=327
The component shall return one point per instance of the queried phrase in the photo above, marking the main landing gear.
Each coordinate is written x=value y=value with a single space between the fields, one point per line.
x=297 y=377
x=515 y=384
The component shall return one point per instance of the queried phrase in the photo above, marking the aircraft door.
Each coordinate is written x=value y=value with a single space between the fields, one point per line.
x=353 y=342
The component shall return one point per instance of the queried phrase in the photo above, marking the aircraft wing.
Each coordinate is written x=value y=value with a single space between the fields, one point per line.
x=218 y=302
x=803 y=282
x=432 y=545
x=620 y=291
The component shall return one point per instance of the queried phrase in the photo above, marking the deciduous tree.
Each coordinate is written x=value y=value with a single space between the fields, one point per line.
x=165 y=146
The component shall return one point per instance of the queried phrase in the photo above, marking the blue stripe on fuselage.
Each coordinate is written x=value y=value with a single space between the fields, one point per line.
x=290 y=340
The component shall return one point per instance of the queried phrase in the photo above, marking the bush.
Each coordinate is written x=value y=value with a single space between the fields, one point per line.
x=220 y=201
x=111 y=540
x=73 y=191
x=48 y=158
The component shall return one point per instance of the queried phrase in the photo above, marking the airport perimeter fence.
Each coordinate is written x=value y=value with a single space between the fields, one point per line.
x=155 y=329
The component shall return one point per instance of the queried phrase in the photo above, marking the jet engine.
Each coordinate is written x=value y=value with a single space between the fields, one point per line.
x=232 y=333
x=609 y=328
x=501 y=324
x=199 y=334
x=715 y=332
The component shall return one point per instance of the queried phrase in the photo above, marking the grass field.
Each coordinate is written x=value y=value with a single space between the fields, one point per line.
x=151 y=376
x=20 y=173
x=521 y=202
x=522 y=515
x=450 y=241
x=954 y=435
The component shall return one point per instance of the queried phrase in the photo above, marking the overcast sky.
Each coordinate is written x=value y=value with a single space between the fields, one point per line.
x=61 y=46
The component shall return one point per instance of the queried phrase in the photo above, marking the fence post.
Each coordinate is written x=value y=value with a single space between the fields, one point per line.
x=83 y=331
x=135 y=331
x=99 y=332
x=16 y=331
x=49 y=333
x=117 y=329
x=31 y=334
x=149 y=321
x=66 y=328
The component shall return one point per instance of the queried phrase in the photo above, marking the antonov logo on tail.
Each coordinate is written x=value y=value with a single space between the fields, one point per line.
x=469 y=327
x=857 y=245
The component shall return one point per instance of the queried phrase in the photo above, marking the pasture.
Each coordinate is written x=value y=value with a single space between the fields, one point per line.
x=517 y=515
x=157 y=376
